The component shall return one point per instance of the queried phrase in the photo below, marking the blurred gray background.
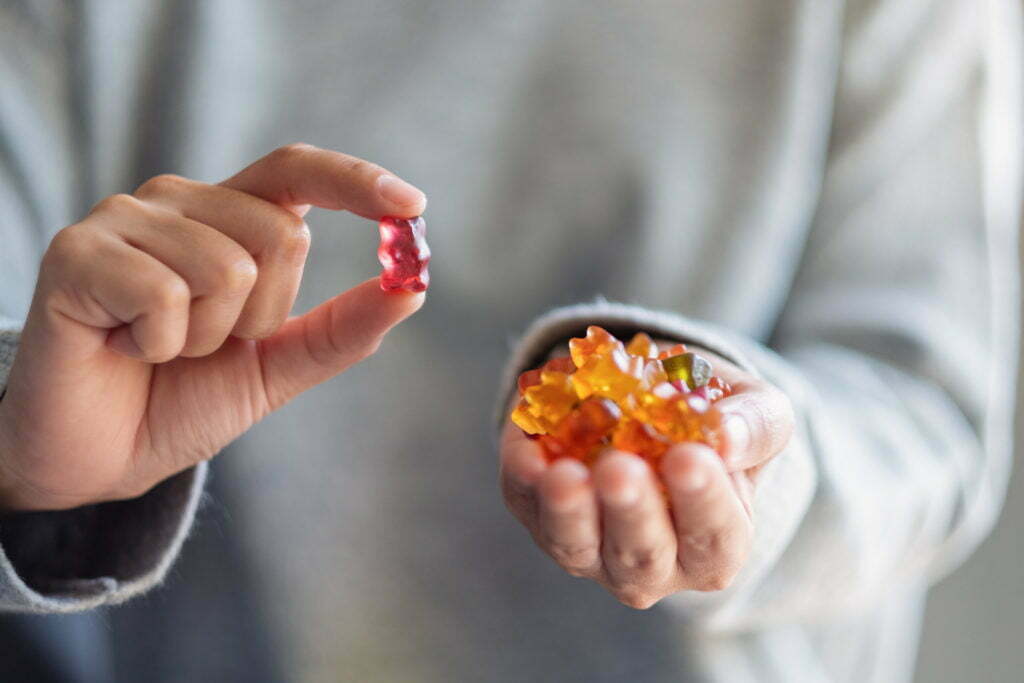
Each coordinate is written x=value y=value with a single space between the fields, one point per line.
x=974 y=628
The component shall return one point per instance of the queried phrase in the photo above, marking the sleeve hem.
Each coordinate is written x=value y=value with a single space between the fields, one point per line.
x=78 y=594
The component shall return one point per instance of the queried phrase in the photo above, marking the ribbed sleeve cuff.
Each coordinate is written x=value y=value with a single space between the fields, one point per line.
x=74 y=560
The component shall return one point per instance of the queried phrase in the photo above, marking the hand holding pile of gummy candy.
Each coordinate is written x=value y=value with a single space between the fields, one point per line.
x=627 y=397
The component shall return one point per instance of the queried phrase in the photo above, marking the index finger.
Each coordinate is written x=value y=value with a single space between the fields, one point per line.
x=298 y=175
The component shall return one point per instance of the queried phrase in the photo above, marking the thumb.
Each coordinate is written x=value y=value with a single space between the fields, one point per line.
x=312 y=348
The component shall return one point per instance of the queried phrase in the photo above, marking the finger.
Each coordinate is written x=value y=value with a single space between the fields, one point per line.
x=638 y=546
x=302 y=174
x=118 y=287
x=218 y=271
x=711 y=524
x=757 y=422
x=338 y=333
x=569 y=528
x=521 y=467
x=277 y=239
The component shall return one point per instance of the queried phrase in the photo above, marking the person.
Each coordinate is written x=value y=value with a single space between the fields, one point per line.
x=797 y=191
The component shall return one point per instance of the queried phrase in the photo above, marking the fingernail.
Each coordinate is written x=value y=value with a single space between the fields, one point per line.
x=525 y=466
x=624 y=495
x=694 y=480
x=397 y=191
x=627 y=491
x=737 y=433
x=572 y=469
x=563 y=496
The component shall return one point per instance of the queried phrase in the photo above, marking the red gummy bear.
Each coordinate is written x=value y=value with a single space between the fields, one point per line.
x=404 y=254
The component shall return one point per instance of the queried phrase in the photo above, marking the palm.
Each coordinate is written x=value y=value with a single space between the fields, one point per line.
x=154 y=417
x=196 y=406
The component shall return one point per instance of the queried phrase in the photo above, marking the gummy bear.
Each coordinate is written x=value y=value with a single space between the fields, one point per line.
x=642 y=345
x=720 y=384
x=404 y=254
x=597 y=342
x=545 y=404
x=582 y=433
x=640 y=438
x=532 y=377
x=677 y=350
x=687 y=418
x=653 y=374
x=613 y=375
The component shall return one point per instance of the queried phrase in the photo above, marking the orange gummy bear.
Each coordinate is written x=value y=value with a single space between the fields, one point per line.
x=582 y=434
x=597 y=342
x=677 y=350
x=642 y=345
x=613 y=375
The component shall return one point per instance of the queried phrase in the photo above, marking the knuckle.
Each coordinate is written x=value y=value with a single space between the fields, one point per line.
x=637 y=559
x=236 y=274
x=66 y=246
x=715 y=581
x=370 y=348
x=698 y=544
x=620 y=555
x=161 y=185
x=576 y=560
x=168 y=293
x=116 y=204
x=291 y=237
x=292 y=150
x=636 y=599
x=354 y=166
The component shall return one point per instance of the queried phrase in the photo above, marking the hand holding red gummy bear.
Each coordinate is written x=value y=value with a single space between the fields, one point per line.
x=160 y=326
x=610 y=523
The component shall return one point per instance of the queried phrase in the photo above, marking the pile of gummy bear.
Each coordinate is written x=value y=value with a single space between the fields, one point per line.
x=624 y=396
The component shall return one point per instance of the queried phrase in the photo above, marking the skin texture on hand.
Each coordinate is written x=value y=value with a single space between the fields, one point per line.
x=612 y=525
x=159 y=328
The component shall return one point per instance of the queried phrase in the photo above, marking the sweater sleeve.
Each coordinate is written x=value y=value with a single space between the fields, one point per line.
x=897 y=344
x=74 y=560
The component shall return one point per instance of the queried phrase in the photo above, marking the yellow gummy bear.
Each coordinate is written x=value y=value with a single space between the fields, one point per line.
x=551 y=400
x=525 y=420
x=614 y=376
x=642 y=345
